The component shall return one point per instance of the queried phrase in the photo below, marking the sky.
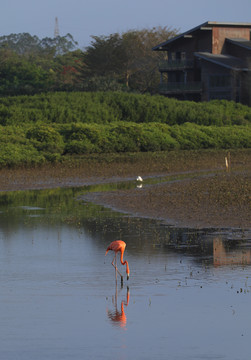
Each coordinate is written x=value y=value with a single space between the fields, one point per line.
x=83 y=18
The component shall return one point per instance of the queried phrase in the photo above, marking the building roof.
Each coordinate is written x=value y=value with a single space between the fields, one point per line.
x=227 y=61
x=205 y=26
x=241 y=42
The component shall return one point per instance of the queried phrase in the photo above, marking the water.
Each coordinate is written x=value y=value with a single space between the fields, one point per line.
x=188 y=296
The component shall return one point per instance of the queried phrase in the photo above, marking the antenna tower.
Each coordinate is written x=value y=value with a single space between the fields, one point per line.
x=56 y=29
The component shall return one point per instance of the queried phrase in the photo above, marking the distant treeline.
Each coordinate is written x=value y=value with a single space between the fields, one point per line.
x=125 y=62
x=49 y=127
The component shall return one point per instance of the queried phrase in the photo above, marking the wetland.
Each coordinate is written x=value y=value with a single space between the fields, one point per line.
x=189 y=290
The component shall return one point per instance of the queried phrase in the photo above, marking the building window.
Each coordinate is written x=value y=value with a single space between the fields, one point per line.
x=183 y=55
x=216 y=81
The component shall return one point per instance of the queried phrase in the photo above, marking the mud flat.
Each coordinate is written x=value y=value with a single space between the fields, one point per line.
x=220 y=199
x=215 y=201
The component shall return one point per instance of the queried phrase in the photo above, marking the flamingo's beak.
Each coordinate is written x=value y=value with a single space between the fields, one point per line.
x=127 y=276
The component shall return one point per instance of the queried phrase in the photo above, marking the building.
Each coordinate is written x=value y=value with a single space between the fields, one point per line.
x=210 y=61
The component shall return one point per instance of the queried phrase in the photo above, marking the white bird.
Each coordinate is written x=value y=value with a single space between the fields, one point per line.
x=139 y=178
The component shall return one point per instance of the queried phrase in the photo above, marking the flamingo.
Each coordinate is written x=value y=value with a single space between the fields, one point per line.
x=116 y=246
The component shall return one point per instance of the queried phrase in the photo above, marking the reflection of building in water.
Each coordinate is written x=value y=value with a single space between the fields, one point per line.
x=231 y=256
x=118 y=317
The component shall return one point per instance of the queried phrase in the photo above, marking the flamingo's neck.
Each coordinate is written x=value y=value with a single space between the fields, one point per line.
x=124 y=263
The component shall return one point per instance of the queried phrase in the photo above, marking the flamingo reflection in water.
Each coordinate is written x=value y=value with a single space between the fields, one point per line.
x=118 y=317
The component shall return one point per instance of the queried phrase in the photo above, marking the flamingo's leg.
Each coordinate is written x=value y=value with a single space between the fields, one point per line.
x=115 y=266
x=117 y=269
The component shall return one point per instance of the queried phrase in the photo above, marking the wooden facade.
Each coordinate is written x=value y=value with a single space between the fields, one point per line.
x=210 y=61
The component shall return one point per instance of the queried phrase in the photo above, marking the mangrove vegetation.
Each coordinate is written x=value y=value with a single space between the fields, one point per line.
x=53 y=126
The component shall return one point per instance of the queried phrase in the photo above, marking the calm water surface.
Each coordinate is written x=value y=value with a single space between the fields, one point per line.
x=188 y=296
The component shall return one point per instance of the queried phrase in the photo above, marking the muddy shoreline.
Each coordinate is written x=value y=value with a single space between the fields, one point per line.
x=220 y=200
x=197 y=203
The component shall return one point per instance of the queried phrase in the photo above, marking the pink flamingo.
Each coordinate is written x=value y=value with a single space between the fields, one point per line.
x=116 y=246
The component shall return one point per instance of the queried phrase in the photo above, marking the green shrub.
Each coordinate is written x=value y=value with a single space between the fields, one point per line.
x=123 y=137
x=45 y=127
x=79 y=147
x=157 y=137
x=46 y=138
x=19 y=154
x=109 y=107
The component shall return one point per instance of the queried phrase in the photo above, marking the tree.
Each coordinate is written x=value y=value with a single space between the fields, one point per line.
x=104 y=56
x=19 y=76
x=26 y=44
x=60 y=45
x=128 y=57
x=29 y=65
x=22 y=43
x=66 y=71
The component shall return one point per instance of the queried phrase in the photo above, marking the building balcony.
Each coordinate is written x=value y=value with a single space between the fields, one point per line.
x=166 y=65
x=180 y=87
